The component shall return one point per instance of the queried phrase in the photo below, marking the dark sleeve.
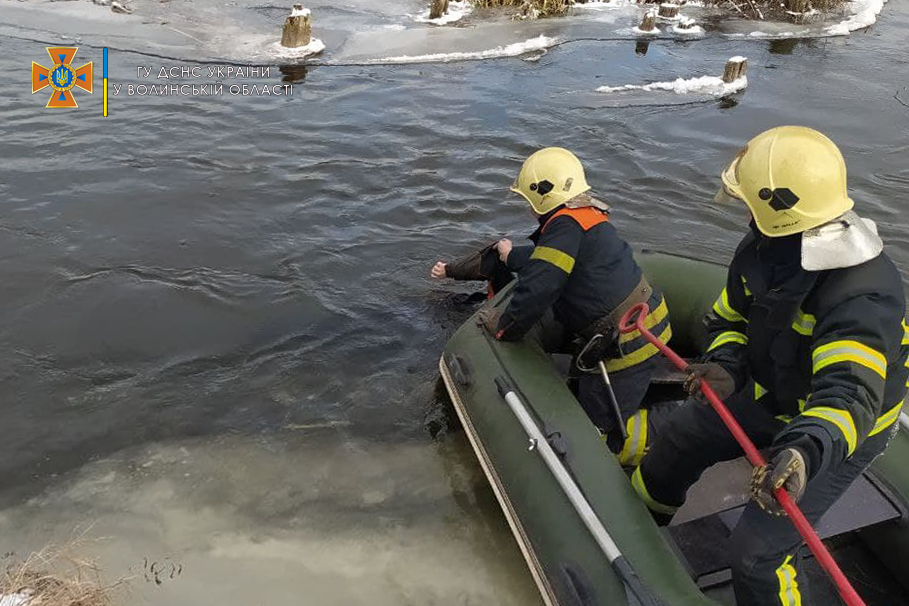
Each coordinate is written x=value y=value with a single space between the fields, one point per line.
x=518 y=257
x=542 y=278
x=727 y=327
x=852 y=342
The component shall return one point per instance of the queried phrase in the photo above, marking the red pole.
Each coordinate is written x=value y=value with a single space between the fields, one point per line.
x=634 y=320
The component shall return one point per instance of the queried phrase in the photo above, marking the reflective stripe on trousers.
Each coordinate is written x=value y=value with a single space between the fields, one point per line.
x=789 y=587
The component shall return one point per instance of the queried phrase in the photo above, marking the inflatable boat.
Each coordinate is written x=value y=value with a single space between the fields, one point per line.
x=573 y=512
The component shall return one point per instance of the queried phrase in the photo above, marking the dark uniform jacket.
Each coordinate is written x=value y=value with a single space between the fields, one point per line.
x=581 y=268
x=826 y=350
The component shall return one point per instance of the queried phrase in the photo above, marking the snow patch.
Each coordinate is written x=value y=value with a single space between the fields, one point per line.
x=686 y=27
x=456 y=12
x=511 y=50
x=709 y=85
x=765 y=35
x=864 y=14
x=300 y=12
x=695 y=30
x=15 y=599
x=314 y=47
x=606 y=5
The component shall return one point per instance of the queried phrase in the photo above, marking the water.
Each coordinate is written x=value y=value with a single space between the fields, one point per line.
x=218 y=340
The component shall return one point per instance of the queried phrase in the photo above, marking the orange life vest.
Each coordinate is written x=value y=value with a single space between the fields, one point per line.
x=585 y=216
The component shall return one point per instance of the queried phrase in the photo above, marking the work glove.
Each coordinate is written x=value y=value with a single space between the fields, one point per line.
x=478 y=265
x=489 y=317
x=718 y=377
x=787 y=469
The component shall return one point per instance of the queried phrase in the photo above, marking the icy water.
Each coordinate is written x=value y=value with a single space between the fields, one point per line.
x=218 y=340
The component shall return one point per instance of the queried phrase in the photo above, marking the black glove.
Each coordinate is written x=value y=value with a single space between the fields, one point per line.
x=479 y=265
x=787 y=469
x=718 y=377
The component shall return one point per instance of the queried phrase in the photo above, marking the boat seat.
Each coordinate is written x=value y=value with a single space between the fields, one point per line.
x=704 y=543
x=667 y=374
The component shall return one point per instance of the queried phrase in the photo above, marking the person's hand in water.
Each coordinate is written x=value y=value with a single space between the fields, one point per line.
x=504 y=247
x=438 y=270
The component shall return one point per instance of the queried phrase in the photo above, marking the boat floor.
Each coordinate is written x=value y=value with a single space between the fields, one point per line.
x=701 y=529
x=876 y=586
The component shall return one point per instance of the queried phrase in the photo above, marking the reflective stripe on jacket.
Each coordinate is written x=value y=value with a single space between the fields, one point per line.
x=830 y=348
x=581 y=268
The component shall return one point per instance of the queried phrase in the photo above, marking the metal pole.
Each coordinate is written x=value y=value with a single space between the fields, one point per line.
x=539 y=442
x=612 y=399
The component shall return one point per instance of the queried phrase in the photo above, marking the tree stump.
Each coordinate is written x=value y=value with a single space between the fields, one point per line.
x=686 y=23
x=648 y=22
x=438 y=8
x=297 y=28
x=735 y=69
x=669 y=11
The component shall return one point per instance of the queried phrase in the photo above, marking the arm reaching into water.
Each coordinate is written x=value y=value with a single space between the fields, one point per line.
x=439 y=270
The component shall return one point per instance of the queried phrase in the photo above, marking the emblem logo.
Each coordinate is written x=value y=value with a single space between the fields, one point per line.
x=62 y=77
x=781 y=198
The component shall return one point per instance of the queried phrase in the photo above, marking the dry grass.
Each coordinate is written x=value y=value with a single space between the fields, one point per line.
x=749 y=9
x=779 y=10
x=543 y=8
x=59 y=577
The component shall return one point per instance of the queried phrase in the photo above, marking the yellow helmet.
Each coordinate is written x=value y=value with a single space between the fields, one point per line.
x=792 y=178
x=549 y=178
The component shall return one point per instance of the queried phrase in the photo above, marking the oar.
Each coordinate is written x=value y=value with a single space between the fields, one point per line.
x=539 y=443
x=634 y=320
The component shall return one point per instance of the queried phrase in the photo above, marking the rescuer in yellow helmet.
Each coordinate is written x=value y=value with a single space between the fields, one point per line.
x=575 y=281
x=809 y=346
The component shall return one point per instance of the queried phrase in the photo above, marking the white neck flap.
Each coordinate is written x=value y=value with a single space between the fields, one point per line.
x=846 y=241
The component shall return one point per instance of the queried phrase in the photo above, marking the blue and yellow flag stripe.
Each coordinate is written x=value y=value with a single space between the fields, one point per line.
x=105 y=82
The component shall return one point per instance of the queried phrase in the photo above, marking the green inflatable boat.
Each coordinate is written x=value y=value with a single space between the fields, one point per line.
x=571 y=506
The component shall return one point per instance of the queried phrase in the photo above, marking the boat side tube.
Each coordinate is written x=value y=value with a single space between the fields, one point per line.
x=540 y=443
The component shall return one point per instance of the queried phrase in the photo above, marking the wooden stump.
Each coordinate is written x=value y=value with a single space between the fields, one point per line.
x=686 y=23
x=438 y=8
x=297 y=28
x=735 y=69
x=648 y=22
x=641 y=47
x=669 y=11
